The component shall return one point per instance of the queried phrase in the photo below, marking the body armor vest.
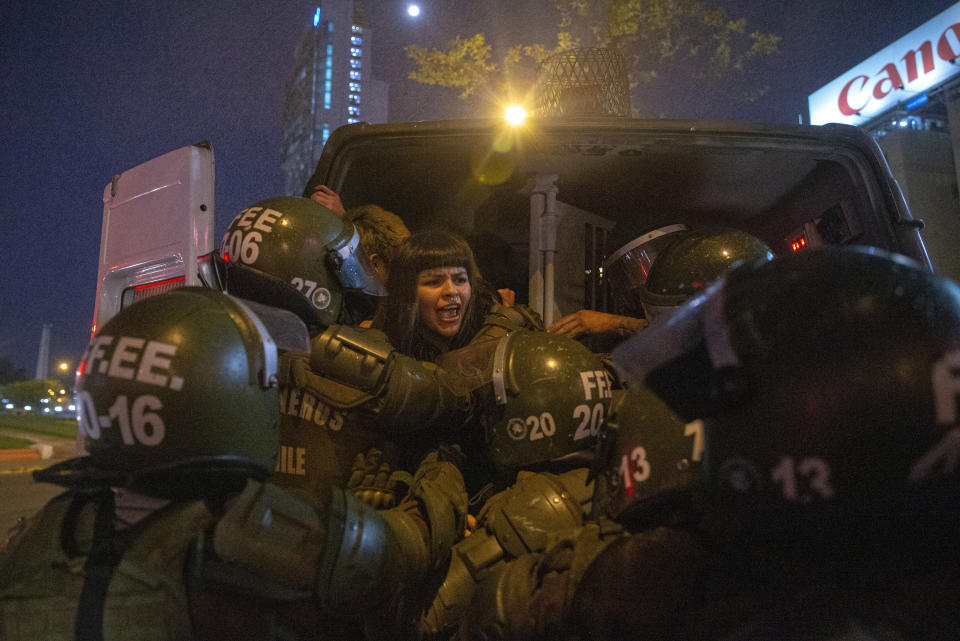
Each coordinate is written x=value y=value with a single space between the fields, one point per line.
x=40 y=584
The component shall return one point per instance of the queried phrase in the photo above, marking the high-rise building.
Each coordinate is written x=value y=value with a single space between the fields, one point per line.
x=329 y=86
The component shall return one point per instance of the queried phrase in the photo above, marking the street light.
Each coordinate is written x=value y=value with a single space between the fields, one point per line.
x=413 y=10
x=515 y=114
x=64 y=366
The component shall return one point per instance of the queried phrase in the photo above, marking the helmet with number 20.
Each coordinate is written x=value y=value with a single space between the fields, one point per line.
x=306 y=246
x=551 y=398
x=178 y=390
x=828 y=384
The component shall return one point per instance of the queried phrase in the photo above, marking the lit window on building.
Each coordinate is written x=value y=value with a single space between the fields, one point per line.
x=351 y=121
x=355 y=63
x=328 y=78
x=356 y=28
x=355 y=86
x=355 y=98
x=353 y=110
x=356 y=40
x=356 y=52
x=324 y=134
x=354 y=75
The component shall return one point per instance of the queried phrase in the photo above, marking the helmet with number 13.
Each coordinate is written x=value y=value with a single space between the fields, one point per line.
x=828 y=384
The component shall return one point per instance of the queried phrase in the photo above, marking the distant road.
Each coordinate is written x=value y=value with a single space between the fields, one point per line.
x=19 y=494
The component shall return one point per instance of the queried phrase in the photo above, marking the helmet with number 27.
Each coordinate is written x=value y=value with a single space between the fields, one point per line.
x=178 y=390
x=303 y=245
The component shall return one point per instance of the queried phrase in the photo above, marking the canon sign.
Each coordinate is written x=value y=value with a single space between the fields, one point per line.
x=921 y=60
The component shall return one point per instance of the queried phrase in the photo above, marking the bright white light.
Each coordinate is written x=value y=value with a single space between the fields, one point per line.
x=9 y=406
x=72 y=408
x=58 y=408
x=413 y=10
x=46 y=410
x=515 y=114
x=903 y=123
x=27 y=407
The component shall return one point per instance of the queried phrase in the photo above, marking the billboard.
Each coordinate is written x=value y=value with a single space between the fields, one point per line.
x=898 y=73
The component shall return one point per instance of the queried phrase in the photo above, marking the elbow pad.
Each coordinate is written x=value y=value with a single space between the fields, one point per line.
x=418 y=394
x=406 y=394
x=344 y=551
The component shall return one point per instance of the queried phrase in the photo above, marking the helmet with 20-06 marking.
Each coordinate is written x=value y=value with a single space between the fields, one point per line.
x=828 y=384
x=548 y=398
x=299 y=244
x=178 y=391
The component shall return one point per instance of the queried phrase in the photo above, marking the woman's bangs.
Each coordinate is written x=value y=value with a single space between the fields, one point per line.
x=439 y=257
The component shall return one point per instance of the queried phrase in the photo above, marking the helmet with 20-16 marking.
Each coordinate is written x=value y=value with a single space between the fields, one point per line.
x=178 y=391
x=828 y=383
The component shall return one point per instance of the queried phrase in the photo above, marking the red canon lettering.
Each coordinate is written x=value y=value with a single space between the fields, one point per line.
x=944 y=49
x=926 y=53
x=844 y=103
x=892 y=77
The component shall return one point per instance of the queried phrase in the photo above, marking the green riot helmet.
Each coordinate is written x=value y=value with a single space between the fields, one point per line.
x=647 y=459
x=693 y=260
x=828 y=384
x=177 y=393
x=548 y=396
x=299 y=244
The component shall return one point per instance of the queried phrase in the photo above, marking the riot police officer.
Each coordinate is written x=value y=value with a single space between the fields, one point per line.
x=658 y=271
x=167 y=531
x=822 y=390
x=358 y=412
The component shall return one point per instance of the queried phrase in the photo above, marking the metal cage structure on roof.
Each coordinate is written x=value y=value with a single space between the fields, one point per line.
x=583 y=82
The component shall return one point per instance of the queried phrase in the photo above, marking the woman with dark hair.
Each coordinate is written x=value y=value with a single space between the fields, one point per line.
x=437 y=299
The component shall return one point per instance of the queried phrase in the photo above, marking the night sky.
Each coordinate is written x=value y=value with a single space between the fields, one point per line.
x=92 y=88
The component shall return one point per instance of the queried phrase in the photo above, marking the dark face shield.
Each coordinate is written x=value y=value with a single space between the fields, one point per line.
x=353 y=268
x=686 y=357
x=628 y=267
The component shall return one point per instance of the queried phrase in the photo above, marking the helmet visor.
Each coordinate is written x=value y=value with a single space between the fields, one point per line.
x=628 y=267
x=697 y=323
x=355 y=270
x=279 y=330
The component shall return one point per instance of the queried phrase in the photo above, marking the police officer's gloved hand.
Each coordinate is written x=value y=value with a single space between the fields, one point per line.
x=293 y=370
x=373 y=482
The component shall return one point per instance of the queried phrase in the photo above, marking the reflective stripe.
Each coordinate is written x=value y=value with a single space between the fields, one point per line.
x=499 y=369
x=715 y=328
x=267 y=345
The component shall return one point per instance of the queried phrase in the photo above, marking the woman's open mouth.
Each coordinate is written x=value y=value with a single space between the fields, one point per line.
x=449 y=313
